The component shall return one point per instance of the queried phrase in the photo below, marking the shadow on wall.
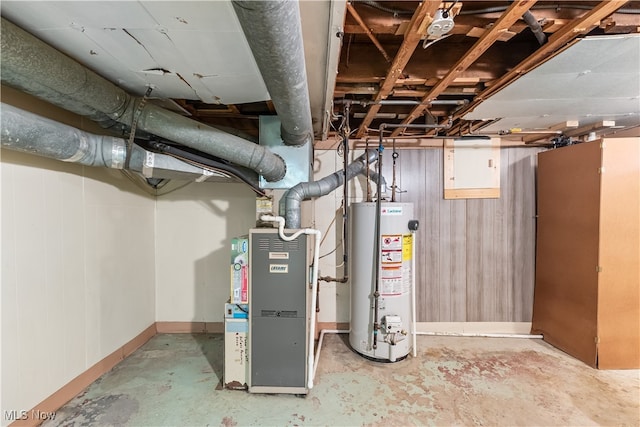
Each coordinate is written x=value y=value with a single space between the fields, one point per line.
x=112 y=177
x=231 y=209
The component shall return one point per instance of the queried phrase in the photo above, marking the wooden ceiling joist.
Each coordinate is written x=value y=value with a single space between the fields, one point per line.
x=352 y=10
x=559 y=39
x=511 y=15
x=411 y=39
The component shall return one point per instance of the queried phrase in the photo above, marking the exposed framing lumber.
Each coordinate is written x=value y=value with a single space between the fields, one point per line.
x=559 y=39
x=508 y=18
x=352 y=10
x=411 y=39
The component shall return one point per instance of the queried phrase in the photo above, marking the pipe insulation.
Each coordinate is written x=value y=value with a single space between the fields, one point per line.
x=30 y=133
x=274 y=32
x=34 y=67
x=294 y=197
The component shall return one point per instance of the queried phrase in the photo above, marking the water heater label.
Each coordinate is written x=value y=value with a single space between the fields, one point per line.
x=278 y=268
x=391 y=257
x=391 y=242
x=396 y=210
x=407 y=247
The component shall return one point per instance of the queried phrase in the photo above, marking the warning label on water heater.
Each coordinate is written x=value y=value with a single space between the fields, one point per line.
x=391 y=249
x=407 y=247
x=395 y=277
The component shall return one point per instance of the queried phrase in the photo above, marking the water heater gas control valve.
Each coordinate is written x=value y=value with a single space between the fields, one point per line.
x=392 y=324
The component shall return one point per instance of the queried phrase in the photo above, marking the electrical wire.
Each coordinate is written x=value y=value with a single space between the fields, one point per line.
x=332 y=251
x=206 y=164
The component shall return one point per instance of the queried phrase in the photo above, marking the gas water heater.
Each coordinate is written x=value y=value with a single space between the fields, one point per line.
x=381 y=300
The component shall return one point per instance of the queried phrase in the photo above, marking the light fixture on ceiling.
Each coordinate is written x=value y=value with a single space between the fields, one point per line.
x=442 y=23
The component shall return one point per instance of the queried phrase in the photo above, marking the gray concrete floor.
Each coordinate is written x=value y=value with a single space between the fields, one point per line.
x=174 y=380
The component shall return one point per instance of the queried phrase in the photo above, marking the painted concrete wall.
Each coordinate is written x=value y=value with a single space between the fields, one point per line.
x=334 y=299
x=194 y=228
x=77 y=272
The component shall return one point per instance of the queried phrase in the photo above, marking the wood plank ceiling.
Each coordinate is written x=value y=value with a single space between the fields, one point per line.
x=388 y=55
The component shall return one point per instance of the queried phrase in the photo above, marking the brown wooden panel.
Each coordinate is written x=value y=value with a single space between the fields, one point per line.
x=412 y=178
x=430 y=235
x=520 y=189
x=470 y=261
x=453 y=260
x=502 y=243
x=565 y=302
x=619 y=280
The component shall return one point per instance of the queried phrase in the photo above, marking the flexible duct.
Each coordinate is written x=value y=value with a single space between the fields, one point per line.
x=40 y=70
x=274 y=33
x=293 y=198
x=535 y=27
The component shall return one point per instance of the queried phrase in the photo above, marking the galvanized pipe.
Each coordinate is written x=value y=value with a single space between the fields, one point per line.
x=293 y=198
x=30 y=133
x=40 y=70
x=274 y=32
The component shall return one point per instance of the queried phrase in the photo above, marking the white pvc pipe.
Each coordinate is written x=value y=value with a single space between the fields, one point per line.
x=320 y=339
x=413 y=293
x=314 y=284
x=479 y=334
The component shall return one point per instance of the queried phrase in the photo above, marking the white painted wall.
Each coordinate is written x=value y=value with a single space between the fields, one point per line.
x=77 y=272
x=334 y=300
x=194 y=228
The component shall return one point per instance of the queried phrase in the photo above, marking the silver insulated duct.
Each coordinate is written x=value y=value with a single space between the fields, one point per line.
x=293 y=198
x=40 y=70
x=30 y=133
x=274 y=33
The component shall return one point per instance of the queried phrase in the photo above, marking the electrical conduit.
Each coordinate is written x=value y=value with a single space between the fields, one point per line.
x=314 y=283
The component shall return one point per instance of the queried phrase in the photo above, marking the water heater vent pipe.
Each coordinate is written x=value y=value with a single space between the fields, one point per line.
x=314 y=283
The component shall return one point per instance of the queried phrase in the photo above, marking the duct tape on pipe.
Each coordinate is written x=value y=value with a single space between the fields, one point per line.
x=118 y=153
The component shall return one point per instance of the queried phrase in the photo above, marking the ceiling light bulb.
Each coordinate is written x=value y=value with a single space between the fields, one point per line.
x=442 y=23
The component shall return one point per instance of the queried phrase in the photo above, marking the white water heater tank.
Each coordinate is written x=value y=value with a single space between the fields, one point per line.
x=391 y=340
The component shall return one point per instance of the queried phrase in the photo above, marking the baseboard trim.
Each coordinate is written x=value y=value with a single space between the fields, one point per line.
x=340 y=326
x=51 y=404
x=190 y=327
x=452 y=327
x=475 y=327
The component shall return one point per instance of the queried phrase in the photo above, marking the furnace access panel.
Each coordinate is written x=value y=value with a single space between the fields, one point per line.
x=278 y=290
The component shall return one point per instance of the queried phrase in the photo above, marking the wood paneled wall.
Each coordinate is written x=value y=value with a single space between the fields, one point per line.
x=476 y=257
